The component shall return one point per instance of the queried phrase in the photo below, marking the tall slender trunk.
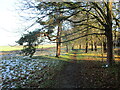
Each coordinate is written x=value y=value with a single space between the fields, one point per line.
x=80 y=46
x=95 y=44
x=72 y=46
x=58 y=47
x=87 y=14
x=86 y=46
x=102 y=51
x=91 y=45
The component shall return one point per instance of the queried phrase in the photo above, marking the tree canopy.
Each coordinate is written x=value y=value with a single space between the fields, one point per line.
x=78 y=19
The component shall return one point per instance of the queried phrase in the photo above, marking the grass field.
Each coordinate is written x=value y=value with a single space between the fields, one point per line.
x=12 y=48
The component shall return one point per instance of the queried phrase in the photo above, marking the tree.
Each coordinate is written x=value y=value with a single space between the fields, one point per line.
x=105 y=19
x=30 y=42
x=99 y=14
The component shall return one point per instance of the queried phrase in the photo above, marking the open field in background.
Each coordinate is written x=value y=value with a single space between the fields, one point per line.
x=13 y=48
x=50 y=50
x=10 y=48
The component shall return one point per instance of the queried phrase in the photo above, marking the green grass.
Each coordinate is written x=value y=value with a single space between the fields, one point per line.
x=52 y=58
x=45 y=46
x=10 y=48
x=13 y=48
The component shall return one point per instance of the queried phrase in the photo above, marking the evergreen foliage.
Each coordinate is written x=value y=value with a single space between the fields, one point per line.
x=30 y=42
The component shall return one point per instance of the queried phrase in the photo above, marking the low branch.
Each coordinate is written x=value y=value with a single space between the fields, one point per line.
x=90 y=26
x=79 y=21
x=45 y=34
x=100 y=9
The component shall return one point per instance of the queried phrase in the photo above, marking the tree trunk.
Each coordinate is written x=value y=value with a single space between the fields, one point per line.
x=80 y=46
x=67 y=48
x=86 y=47
x=91 y=46
x=108 y=31
x=95 y=44
x=58 y=49
x=72 y=47
x=104 y=47
x=58 y=39
x=115 y=39
x=110 y=60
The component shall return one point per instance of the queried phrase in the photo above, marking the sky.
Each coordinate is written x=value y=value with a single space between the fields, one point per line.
x=9 y=23
x=11 y=27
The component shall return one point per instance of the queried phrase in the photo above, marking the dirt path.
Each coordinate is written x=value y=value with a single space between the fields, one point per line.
x=68 y=77
x=85 y=74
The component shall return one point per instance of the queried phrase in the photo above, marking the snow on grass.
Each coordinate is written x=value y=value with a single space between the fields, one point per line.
x=21 y=68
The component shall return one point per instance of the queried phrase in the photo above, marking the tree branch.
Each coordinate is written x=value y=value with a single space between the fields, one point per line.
x=100 y=9
x=75 y=32
x=90 y=26
x=78 y=21
x=82 y=37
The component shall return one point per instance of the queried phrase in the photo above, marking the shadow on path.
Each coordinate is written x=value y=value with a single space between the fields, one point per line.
x=67 y=78
x=85 y=74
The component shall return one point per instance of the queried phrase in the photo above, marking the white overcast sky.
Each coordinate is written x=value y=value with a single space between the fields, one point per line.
x=8 y=22
x=10 y=25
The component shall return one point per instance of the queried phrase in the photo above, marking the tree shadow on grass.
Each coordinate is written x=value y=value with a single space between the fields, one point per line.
x=86 y=74
x=81 y=74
